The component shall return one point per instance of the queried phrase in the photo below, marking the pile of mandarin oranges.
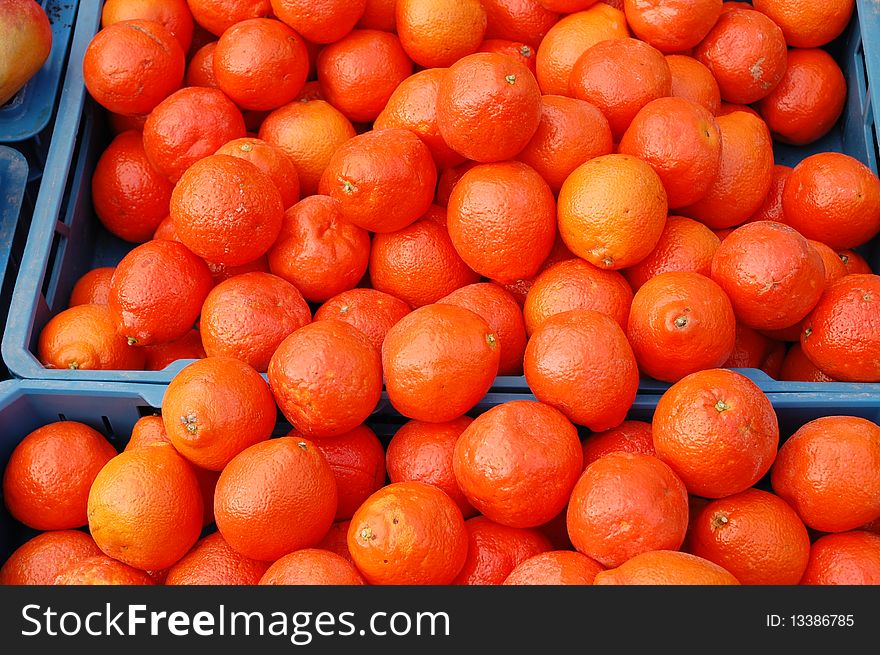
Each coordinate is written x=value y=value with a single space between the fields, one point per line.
x=347 y=209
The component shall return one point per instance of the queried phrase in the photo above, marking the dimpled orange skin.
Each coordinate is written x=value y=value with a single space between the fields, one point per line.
x=849 y=558
x=517 y=20
x=841 y=334
x=620 y=76
x=693 y=81
x=130 y=67
x=357 y=460
x=423 y=452
x=146 y=508
x=212 y=561
x=680 y=322
x=833 y=198
x=681 y=141
x=249 y=315
x=829 y=472
x=755 y=535
x=413 y=106
x=501 y=481
x=570 y=132
x=625 y=504
x=270 y=159
x=581 y=363
x=359 y=72
x=501 y=220
x=200 y=69
x=370 y=311
x=321 y=21
x=854 y=262
x=577 y=284
x=188 y=125
x=418 y=264
x=319 y=252
x=628 y=437
x=797 y=367
x=326 y=378
x=226 y=210
x=771 y=274
x=174 y=15
x=494 y=550
x=216 y=16
x=408 y=533
x=130 y=196
x=102 y=570
x=684 y=245
x=157 y=292
x=440 y=32
x=439 y=361
x=215 y=408
x=523 y=53
x=383 y=179
x=261 y=64
x=39 y=560
x=771 y=208
x=312 y=566
x=274 y=498
x=666 y=567
x=494 y=83
x=808 y=100
x=47 y=478
x=746 y=53
x=744 y=175
x=336 y=540
x=84 y=337
x=717 y=430
x=502 y=314
x=556 y=567
x=605 y=203
x=834 y=267
x=805 y=24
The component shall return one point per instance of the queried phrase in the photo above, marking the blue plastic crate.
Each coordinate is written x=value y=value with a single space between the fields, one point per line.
x=13 y=180
x=113 y=408
x=66 y=240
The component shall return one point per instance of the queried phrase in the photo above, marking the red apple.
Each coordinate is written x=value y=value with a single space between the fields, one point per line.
x=26 y=42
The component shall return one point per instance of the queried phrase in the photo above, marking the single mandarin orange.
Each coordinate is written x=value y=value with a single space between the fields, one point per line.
x=666 y=567
x=189 y=346
x=829 y=472
x=576 y=284
x=854 y=262
x=439 y=361
x=517 y=20
x=581 y=363
x=200 y=69
x=312 y=566
x=174 y=15
x=39 y=560
x=378 y=15
x=130 y=196
x=797 y=367
x=84 y=337
x=102 y=570
x=808 y=25
x=408 y=533
x=488 y=82
x=47 y=479
x=216 y=16
x=524 y=54
x=317 y=251
x=188 y=125
x=517 y=463
x=612 y=211
x=672 y=25
x=336 y=540
x=383 y=179
x=717 y=430
x=275 y=497
x=323 y=22
x=771 y=274
x=501 y=219
x=326 y=378
x=692 y=81
x=145 y=508
x=157 y=292
x=771 y=208
x=850 y=558
x=215 y=408
x=437 y=33
x=834 y=268
x=271 y=160
x=93 y=288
